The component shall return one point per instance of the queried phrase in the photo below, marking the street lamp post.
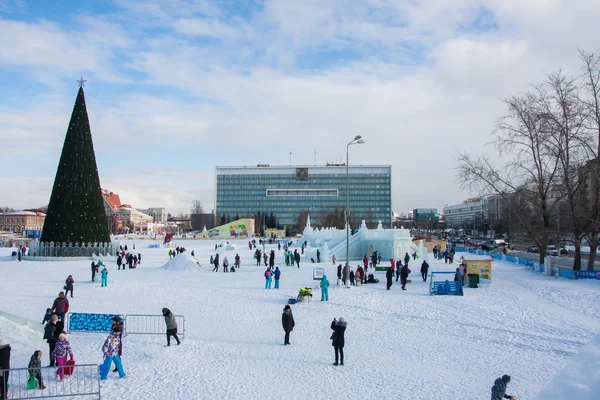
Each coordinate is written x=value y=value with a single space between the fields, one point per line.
x=357 y=140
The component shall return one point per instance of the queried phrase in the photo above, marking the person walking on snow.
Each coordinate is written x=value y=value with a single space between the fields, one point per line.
x=110 y=349
x=35 y=368
x=268 y=277
x=171 y=326
x=360 y=275
x=333 y=259
x=61 y=306
x=406 y=259
x=388 y=277
x=318 y=256
x=297 y=258
x=62 y=349
x=225 y=264
x=93 y=271
x=69 y=285
x=337 y=339
x=339 y=274
x=237 y=260
x=424 y=269
x=287 y=320
x=499 y=389
x=49 y=331
x=104 y=274
x=324 y=288
x=404 y=276
x=398 y=268
x=216 y=263
x=277 y=275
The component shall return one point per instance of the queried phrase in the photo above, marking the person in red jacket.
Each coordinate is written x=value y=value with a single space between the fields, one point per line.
x=61 y=306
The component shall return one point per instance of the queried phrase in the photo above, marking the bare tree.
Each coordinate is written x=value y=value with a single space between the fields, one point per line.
x=569 y=142
x=528 y=171
x=591 y=102
x=197 y=207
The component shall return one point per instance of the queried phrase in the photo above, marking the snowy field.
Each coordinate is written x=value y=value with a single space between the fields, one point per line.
x=399 y=344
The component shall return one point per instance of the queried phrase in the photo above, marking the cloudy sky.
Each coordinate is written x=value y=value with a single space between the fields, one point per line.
x=177 y=87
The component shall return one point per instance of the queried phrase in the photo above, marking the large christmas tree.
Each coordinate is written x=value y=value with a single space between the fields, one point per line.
x=76 y=209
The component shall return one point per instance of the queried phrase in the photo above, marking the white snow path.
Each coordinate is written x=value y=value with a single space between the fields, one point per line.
x=398 y=344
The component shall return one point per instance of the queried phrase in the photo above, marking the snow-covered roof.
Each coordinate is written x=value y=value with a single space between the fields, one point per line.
x=475 y=257
x=25 y=213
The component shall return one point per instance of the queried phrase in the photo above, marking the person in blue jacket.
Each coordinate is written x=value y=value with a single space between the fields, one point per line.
x=104 y=273
x=324 y=288
x=276 y=275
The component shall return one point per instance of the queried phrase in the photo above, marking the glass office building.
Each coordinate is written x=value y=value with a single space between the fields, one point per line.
x=288 y=191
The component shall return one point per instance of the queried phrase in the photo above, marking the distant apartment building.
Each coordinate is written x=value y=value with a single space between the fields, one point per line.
x=478 y=213
x=28 y=223
x=158 y=214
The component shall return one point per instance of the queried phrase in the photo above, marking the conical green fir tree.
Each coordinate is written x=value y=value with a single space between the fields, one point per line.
x=76 y=210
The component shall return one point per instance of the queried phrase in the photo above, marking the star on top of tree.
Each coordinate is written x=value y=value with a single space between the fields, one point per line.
x=81 y=82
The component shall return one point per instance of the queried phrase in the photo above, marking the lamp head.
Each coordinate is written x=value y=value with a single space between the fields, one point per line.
x=360 y=141
x=357 y=137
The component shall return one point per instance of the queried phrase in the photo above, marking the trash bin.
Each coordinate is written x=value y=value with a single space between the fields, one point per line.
x=473 y=280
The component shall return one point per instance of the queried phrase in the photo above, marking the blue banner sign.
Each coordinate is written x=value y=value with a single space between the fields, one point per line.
x=587 y=274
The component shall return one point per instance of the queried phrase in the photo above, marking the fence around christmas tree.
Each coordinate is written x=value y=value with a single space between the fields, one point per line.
x=51 y=249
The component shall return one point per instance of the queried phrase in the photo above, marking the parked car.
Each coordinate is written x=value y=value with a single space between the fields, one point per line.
x=533 y=249
x=563 y=250
x=552 y=250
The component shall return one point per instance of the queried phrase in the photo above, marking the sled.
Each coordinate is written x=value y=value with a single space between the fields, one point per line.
x=33 y=383
x=68 y=369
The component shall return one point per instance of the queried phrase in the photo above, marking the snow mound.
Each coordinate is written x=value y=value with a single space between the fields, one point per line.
x=230 y=247
x=580 y=378
x=182 y=262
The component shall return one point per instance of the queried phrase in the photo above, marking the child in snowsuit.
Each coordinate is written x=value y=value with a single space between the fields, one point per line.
x=47 y=316
x=268 y=278
x=35 y=365
x=104 y=274
x=324 y=288
x=171 y=326
x=62 y=350
x=110 y=350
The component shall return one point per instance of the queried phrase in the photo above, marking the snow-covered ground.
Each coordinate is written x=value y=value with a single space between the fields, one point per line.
x=399 y=344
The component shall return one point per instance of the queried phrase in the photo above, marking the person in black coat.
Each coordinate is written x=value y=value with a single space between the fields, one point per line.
x=287 y=320
x=297 y=258
x=398 y=268
x=424 y=269
x=339 y=273
x=93 y=271
x=389 y=274
x=337 y=339
x=49 y=331
x=404 y=276
x=4 y=364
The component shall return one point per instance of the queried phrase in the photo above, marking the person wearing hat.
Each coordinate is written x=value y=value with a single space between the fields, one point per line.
x=337 y=339
x=117 y=323
x=499 y=389
x=287 y=320
x=324 y=284
x=4 y=364
x=110 y=349
x=62 y=350
x=35 y=368
x=49 y=333
x=171 y=326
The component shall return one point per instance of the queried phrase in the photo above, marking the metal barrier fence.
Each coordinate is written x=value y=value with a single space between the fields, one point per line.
x=140 y=324
x=83 y=382
x=51 y=249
